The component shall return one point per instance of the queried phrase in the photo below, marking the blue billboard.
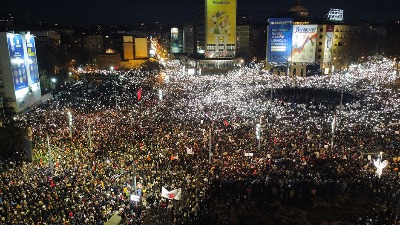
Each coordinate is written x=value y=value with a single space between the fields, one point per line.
x=279 y=39
x=32 y=59
x=18 y=69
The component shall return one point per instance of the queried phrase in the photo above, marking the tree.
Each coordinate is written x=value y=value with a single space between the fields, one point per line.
x=12 y=132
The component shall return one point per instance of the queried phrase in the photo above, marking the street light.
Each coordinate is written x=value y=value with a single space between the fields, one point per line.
x=69 y=123
x=258 y=134
x=288 y=66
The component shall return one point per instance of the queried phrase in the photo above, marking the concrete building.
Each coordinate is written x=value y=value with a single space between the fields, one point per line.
x=216 y=28
x=298 y=45
x=19 y=74
x=188 y=38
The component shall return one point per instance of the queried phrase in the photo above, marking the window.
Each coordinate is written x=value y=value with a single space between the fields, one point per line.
x=319 y=50
x=321 y=29
x=319 y=57
x=321 y=36
x=320 y=43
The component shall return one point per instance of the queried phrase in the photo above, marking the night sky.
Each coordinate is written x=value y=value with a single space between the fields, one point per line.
x=175 y=12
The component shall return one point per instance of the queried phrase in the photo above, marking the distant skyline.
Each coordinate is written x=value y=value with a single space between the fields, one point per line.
x=176 y=12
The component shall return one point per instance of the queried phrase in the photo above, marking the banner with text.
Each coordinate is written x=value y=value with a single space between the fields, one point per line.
x=304 y=43
x=279 y=39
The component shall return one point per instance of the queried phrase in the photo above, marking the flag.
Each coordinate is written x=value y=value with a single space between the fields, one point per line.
x=173 y=157
x=189 y=151
x=139 y=94
x=175 y=194
x=226 y=123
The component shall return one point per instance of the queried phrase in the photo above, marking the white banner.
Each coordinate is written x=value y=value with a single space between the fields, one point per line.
x=175 y=194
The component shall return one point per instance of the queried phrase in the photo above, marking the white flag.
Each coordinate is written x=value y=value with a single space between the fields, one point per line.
x=189 y=151
x=175 y=194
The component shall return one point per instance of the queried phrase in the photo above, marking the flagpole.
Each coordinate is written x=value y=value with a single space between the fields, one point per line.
x=209 y=146
x=49 y=152
x=134 y=176
x=90 y=138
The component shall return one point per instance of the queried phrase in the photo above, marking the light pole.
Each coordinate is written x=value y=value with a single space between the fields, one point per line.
x=90 y=138
x=288 y=66
x=49 y=153
x=209 y=146
x=115 y=94
x=69 y=123
x=258 y=134
x=53 y=86
x=134 y=177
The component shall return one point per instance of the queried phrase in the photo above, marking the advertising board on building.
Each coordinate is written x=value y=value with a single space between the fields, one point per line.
x=18 y=68
x=328 y=43
x=32 y=59
x=221 y=26
x=304 y=43
x=279 y=39
x=174 y=40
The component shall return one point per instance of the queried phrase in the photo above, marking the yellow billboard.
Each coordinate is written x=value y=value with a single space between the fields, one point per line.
x=141 y=48
x=221 y=22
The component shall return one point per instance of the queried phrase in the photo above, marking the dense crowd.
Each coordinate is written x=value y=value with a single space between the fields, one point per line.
x=84 y=173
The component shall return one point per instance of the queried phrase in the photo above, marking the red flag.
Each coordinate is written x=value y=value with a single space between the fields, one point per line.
x=139 y=94
x=226 y=123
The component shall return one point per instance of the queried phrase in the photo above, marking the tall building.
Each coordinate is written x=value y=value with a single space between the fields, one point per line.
x=19 y=74
x=176 y=41
x=216 y=28
x=299 y=46
x=188 y=38
x=94 y=44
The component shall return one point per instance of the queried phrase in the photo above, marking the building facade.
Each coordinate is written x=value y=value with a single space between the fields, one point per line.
x=19 y=74
x=216 y=28
x=300 y=46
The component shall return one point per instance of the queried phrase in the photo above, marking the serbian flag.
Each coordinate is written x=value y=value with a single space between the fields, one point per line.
x=175 y=194
x=139 y=94
x=173 y=157
x=226 y=123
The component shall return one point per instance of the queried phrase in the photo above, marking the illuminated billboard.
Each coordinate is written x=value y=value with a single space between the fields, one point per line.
x=18 y=69
x=220 y=28
x=174 y=40
x=32 y=59
x=328 y=43
x=304 y=43
x=279 y=39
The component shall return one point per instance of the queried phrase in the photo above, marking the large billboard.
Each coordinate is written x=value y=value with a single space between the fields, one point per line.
x=32 y=59
x=141 y=49
x=18 y=69
x=279 y=39
x=221 y=25
x=174 y=40
x=328 y=43
x=304 y=43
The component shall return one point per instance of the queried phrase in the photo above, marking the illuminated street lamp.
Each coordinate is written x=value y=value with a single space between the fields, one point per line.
x=69 y=123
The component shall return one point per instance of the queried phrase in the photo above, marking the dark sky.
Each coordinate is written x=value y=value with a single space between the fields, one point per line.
x=89 y=12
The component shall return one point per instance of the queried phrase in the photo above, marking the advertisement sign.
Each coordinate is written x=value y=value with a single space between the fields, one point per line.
x=221 y=26
x=279 y=39
x=32 y=59
x=174 y=40
x=328 y=43
x=141 y=49
x=304 y=43
x=18 y=69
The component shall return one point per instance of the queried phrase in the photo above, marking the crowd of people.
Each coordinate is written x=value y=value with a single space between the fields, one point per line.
x=197 y=134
